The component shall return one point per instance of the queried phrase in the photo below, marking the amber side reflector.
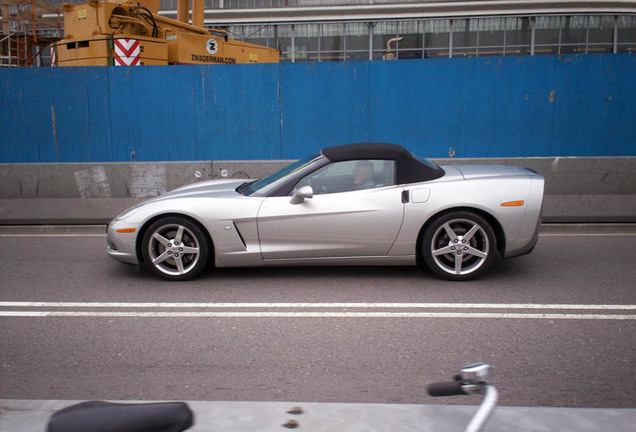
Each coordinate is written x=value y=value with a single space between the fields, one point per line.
x=126 y=230
x=513 y=204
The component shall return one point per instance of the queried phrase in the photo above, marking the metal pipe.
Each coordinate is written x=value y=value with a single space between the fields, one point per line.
x=389 y=55
x=293 y=43
x=615 y=41
x=485 y=409
x=450 y=38
x=183 y=11
x=177 y=24
x=198 y=12
x=371 y=26
x=532 y=34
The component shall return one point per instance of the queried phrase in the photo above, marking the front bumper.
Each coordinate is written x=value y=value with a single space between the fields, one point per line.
x=121 y=246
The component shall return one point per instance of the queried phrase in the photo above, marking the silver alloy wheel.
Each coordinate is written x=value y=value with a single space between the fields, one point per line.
x=174 y=250
x=460 y=247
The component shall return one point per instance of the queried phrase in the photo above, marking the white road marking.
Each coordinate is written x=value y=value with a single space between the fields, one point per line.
x=312 y=310
x=315 y=315
x=610 y=234
x=319 y=305
x=588 y=234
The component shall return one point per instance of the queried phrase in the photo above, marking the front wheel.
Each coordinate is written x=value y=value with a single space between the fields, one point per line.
x=175 y=248
x=458 y=246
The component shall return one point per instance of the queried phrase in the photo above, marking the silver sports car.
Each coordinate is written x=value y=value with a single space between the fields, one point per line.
x=357 y=204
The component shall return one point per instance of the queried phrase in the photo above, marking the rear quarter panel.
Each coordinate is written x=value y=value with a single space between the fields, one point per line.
x=483 y=193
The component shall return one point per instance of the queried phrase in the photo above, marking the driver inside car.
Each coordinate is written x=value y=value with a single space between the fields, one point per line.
x=363 y=175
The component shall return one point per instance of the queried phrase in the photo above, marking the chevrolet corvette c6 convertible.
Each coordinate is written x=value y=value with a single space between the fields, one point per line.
x=357 y=204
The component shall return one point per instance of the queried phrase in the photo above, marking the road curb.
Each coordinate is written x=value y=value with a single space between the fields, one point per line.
x=33 y=415
x=592 y=228
x=52 y=230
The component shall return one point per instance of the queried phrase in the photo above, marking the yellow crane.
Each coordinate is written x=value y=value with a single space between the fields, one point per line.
x=130 y=33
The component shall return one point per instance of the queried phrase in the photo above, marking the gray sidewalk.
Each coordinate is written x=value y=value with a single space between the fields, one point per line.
x=32 y=416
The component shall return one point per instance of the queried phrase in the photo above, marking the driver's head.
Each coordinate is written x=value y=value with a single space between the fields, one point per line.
x=362 y=173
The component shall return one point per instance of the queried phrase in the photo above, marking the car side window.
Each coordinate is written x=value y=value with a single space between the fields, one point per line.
x=346 y=176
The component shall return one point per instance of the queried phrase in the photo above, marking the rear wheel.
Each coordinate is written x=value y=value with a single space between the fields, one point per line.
x=175 y=248
x=458 y=246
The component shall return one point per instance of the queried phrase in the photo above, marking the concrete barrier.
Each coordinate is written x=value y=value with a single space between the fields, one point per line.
x=578 y=189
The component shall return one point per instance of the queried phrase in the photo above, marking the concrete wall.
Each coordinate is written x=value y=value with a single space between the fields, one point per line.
x=577 y=189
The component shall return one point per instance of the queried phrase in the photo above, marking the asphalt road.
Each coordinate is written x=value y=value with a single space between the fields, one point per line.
x=356 y=334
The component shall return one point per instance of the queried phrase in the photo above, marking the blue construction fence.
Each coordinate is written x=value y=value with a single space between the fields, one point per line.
x=475 y=107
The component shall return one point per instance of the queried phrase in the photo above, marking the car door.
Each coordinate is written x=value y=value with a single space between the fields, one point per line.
x=342 y=219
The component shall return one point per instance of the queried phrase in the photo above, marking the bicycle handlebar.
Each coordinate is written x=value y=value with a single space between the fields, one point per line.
x=450 y=388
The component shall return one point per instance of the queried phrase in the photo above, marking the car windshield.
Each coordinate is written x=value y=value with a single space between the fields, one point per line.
x=261 y=187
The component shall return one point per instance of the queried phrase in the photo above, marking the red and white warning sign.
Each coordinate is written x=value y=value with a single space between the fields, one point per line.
x=53 y=56
x=127 y=52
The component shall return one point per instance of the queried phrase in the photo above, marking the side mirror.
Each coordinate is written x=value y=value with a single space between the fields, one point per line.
x=301 y=195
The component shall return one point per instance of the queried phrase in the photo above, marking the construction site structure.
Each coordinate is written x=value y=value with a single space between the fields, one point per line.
x=27 y=29
x=132 y=33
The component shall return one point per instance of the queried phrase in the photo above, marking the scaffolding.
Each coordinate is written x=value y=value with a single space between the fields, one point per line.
x=26 y=32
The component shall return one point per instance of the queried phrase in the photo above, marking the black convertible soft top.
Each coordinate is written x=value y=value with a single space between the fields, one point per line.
x=409 y=169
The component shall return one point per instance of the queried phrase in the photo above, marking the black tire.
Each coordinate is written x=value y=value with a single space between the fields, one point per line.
x=175 y=248
x=458 y=246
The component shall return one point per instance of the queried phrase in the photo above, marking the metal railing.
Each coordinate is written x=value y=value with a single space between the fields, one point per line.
x=447 y=38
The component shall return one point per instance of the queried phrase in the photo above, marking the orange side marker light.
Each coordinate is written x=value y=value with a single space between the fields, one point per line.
x=513 y=203
x=126 y=230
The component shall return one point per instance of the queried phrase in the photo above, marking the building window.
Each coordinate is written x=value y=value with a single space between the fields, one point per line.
x=600 y=34
x=263 y=35
x=285 y=38
x=410 y=47
x=518 y=35
x=307 y=42
x=574 y=35
x=626 y=32
x=491 y=37
x=547 y=39
x=333 y=43
x=443 y=38
x=436 y=38
x=465 y=37
x=357 y=35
